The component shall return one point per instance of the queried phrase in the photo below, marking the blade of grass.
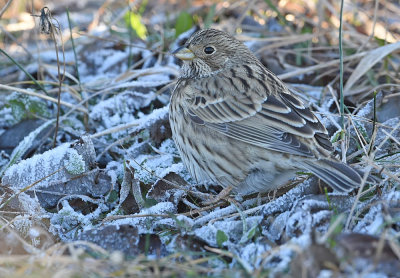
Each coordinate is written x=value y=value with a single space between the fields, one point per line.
x=281 y=18
x=85 y=116
x=341 y=102
x=74 y=50
x=130 y=33
x=22 y=68
x=374 y=130
x=341 y=67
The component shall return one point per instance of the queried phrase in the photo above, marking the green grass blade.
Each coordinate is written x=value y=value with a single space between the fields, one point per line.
x=22 y=68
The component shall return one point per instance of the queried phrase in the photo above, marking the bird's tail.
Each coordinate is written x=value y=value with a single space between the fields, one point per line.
x=338 y=175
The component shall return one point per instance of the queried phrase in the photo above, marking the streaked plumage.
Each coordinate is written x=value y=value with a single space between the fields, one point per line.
x=236 y=123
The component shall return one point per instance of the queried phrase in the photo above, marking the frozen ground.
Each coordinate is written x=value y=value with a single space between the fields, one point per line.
x=118 y=181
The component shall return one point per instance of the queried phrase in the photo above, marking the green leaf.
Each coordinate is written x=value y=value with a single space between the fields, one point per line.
x=336 y=137
x=221 y=238
x=252 y=232
x=112 y=197
x=134 y=21
x=381 y=42
x=17 y=109
x=24 y=107
x=183 y=23
x=307 y=30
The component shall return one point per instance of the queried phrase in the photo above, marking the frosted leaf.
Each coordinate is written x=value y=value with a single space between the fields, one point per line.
x=43 y=173
x=23 y=146
x=74 y=163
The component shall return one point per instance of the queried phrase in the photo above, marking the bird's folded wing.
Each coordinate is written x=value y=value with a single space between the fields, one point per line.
x=252 y=114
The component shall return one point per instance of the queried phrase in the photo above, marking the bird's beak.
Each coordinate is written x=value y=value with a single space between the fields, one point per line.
x=183 y=53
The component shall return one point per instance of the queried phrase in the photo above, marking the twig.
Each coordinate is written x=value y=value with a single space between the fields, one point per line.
x=116 y=217
x=3 y=10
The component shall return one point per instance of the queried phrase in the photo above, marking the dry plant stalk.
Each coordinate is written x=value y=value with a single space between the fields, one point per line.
x=48 y=27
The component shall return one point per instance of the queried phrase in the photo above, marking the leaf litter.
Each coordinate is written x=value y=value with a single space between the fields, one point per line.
x=80 y=196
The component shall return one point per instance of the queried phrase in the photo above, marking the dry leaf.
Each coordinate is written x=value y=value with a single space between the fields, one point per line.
x=373 y=57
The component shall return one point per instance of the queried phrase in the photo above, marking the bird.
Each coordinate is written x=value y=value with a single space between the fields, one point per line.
x=236 y=124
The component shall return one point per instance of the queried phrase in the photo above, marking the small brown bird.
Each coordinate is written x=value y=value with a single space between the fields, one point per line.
x=236 y=124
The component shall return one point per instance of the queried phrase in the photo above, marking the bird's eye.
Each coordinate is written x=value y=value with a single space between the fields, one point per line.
x=209 y=50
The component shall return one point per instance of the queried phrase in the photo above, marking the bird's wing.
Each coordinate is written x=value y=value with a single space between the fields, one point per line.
x=243 y=104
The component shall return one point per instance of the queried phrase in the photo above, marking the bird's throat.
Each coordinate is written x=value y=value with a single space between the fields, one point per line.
x=197 y=69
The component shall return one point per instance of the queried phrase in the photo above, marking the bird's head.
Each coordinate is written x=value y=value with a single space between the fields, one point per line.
x=210 y=51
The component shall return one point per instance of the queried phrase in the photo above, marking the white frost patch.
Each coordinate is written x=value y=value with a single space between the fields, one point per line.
x=34 y=233
x=254 y=253
x=49 y=56
x=119 y=109
x=366 y=111
x=30 y=205
x=207 y=233
x=279 y=261
x=374 y=221
x=160 y=208
x=304 y=241
x=157 y=114
x=115 y=170
x=148 y=224
x=187 y=222
x=108 y=59
x=66 y=222
x=309 y=94
x=217 y=213
x=50 y=168
x=154 y=166
x=168 y=146
x=6 y=117
x=36 y=168
x=74 y=163
x=277 y=227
